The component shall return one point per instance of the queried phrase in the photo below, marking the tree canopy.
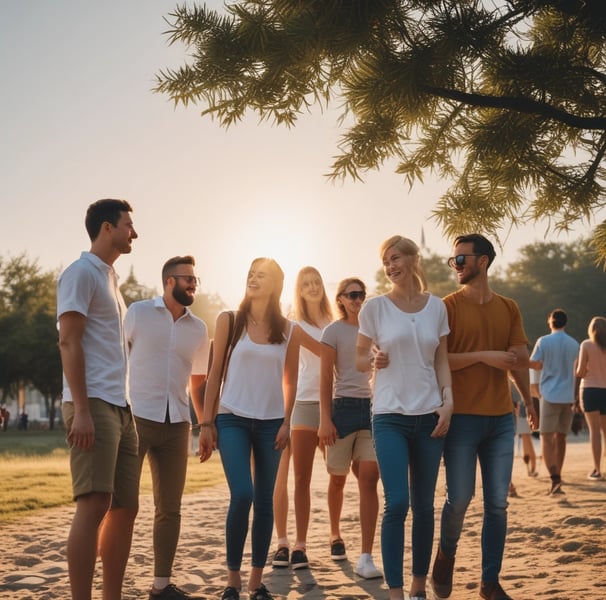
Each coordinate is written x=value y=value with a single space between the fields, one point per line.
x=505 y=99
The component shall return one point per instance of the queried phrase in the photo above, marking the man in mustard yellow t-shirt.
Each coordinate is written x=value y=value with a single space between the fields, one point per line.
x=486 y=341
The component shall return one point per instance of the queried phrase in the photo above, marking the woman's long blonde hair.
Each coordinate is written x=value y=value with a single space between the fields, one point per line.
x=597 y=331
x=300 y=310
x=408 y=248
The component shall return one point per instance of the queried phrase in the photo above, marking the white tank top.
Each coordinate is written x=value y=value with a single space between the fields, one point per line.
x=253 y=386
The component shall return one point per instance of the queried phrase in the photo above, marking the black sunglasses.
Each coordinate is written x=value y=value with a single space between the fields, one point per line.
x=459 y=260
x=354 y=295
x=191 y=279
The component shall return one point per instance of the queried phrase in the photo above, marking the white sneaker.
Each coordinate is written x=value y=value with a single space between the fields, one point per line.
x=366 y=567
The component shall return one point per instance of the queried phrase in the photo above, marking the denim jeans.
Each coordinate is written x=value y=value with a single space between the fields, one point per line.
x=489 y=440
x=350 y=415
x=403 y=444
x=238 y=438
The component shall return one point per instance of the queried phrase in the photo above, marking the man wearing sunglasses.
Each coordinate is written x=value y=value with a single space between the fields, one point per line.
x=168 y=349
x=486 y=341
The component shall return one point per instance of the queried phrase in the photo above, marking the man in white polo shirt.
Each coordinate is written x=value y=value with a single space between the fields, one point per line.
x=168 y=349
x=99 y=423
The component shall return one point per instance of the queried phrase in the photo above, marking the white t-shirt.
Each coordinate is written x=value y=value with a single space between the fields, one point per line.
x=253 y=384
x=349 y=382
x=409 y=384
x=308 y=383
x=163 y=355
x=89 y=286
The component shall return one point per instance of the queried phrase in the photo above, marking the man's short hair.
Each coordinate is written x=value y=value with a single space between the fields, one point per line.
x=481 y=245
x=558 y=318
x=99 y=212
x=168 y=268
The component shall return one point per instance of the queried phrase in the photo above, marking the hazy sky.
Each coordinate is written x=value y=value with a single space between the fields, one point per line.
x=78 y=122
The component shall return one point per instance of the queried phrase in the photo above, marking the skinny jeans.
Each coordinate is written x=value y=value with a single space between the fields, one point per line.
x=490 y=441
x=250 y=483
x=404 y=446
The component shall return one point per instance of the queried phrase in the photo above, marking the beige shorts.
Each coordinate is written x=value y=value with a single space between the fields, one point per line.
x=112 y=465
x=355 y=446
x=305 y=415
x=555 y=418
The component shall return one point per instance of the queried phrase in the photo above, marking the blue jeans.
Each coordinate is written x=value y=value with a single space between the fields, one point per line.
x=403 y=444
x=489 y=440
x=238 y=438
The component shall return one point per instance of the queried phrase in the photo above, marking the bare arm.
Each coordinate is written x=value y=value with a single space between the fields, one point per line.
x=327 y=433
x=493 y=358
x=521 y=380
x=196 y=391
x=289 y=385
x=442 y=368
x=208 y=433
x=71 y=331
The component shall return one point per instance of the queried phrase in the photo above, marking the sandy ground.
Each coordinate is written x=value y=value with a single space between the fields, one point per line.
x=556 y=546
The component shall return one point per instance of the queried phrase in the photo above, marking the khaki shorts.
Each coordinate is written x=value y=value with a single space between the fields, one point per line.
x=355 y=446
x=112 y=465
x=555 y=418
x=306 y=415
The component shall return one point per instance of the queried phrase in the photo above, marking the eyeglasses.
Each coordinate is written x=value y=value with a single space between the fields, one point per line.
x=191 y=279
x=357 y=295
x=459 y=260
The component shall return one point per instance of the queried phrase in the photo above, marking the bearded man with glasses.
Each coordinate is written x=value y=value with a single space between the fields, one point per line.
x=168 y=349
x=486 y=341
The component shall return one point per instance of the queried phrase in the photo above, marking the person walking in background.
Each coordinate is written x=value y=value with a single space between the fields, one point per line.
x=168 y=349
x=403 y=335
x=98 y=419
x=523 y=430
x=312 y=312
x=591 y=368
x=486 y=341
x=250 y=422
x=345 y=425
x=554 y=355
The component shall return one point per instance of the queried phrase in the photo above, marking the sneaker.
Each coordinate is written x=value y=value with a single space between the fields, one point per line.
x=298 y=559
x=594 y=475
x=337 y=550
x=418 y=596
x=280 y=558
x=533 y=473
x=261 y=593
x=441 y=575
x=493 y=591
x=172 y=592
x=366 y=567
x=230 y=593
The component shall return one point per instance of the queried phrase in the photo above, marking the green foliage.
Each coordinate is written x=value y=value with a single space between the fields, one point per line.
x=133 y=291
x=506 y=99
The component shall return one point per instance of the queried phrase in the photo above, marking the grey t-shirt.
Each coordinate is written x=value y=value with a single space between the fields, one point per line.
x=349 y=382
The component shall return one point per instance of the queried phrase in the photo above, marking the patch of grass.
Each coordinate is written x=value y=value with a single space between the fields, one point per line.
x=35 y=473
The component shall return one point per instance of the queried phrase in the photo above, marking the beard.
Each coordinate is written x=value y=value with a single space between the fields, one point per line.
x=182 y=297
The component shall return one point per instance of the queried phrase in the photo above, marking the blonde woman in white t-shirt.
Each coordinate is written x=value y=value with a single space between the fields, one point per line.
x=312 y=312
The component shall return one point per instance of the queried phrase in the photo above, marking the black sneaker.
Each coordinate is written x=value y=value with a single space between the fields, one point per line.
x=337 y=550
x=280 y=559
x=172 y=592
x=261 y=593
x=230 y=593
x=298 y=559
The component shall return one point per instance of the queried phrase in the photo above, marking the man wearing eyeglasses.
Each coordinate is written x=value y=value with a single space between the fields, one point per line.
x=486 y=341
x=168 y=349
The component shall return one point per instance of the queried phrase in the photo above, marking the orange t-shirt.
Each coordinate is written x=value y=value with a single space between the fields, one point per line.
x=496 y=325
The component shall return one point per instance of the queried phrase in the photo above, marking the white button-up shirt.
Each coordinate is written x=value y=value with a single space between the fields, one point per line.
x=164 y=353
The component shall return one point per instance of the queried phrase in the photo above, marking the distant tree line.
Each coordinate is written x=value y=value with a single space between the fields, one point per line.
x=545 y=276
x=29 y=352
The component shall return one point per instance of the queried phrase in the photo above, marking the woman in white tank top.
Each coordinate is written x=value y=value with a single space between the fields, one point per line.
x=252 y=417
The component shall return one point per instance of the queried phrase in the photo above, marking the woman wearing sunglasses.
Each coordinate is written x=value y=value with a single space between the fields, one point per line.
x=345 y=425
x=403 y=336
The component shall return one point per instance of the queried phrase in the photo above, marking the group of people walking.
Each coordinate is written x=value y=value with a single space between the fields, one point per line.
x=387 y=389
